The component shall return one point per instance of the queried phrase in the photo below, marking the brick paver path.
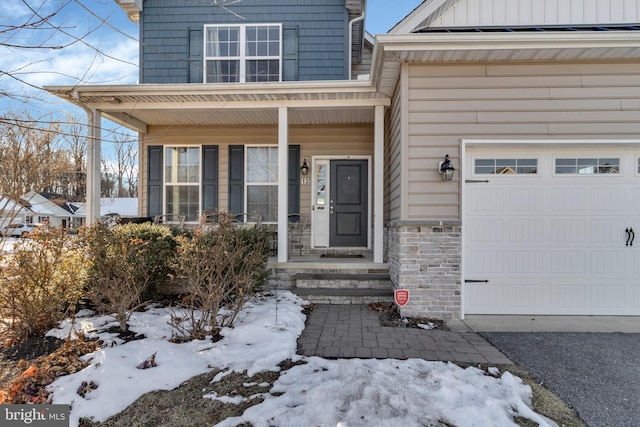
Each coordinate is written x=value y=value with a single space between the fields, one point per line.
x=352 y=331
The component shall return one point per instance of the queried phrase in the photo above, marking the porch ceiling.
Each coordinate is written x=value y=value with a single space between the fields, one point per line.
x=140 y=106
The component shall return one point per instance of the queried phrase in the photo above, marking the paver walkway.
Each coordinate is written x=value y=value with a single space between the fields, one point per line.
x=352 y=331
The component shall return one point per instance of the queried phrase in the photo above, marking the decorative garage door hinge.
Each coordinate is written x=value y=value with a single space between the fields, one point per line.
x=630 y=236
x=471 y=181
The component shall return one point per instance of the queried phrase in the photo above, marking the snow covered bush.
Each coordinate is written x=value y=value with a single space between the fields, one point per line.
x=220 y=268
x=42 y=281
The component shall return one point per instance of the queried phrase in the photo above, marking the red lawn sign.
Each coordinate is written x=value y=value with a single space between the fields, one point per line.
x=401 y=296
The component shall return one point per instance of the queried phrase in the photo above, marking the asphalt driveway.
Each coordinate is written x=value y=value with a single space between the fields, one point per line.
x=598 y=374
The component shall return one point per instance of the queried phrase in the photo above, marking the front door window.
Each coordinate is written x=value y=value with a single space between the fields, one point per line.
x=321 y=204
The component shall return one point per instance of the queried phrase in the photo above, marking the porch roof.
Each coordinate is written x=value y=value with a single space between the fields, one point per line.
x=139 y=106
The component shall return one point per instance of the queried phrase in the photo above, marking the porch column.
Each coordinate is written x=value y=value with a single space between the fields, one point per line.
x=93 y=167
x=378 y=185
x=283 y=184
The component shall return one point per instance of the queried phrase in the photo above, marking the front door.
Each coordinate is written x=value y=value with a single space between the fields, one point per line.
x=340 y=211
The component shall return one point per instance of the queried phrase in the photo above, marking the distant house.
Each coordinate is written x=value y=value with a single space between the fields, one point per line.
x=46 y=210
x=120 y=206
x=288 y=107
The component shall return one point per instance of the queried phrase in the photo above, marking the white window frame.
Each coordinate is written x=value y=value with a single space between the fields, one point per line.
x=258 y=183
x=166 y=184
x=597 y=157
x=242 y=58
x=495 y=159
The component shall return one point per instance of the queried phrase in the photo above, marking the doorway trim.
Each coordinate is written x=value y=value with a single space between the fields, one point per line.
x=314 y=160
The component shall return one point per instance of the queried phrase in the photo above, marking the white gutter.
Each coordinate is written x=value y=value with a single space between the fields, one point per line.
x=353 y=21
x=499 y=41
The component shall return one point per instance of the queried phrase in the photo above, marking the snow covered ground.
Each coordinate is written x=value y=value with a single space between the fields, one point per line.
x=7 y=244
x=320 y=392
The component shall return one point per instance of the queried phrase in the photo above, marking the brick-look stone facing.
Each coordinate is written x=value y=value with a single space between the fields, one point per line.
x=425 y=258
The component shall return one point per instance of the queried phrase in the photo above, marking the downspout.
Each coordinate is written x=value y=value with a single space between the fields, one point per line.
x=351 y=23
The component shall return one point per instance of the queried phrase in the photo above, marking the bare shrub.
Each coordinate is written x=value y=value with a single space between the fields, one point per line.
x=221 y=268
x=42 y=281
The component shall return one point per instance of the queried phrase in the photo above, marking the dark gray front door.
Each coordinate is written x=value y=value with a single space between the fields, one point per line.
x=348 y=203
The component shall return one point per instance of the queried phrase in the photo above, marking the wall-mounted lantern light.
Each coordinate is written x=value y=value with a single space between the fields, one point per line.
x=446 y=169
x=304 y=169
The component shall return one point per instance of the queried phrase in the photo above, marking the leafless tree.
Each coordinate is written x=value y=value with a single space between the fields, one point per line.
x=77 y=152
x=29 y=159
x=124 y=167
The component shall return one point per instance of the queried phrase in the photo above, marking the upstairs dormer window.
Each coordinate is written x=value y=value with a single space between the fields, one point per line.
x=243 y=53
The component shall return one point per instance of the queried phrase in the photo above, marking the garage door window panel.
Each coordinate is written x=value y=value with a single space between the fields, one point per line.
x=506 y=166
x=587 y=166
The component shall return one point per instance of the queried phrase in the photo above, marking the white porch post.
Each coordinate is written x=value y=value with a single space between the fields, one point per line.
x=93 y=167
x=378 y=185
x=283 y=183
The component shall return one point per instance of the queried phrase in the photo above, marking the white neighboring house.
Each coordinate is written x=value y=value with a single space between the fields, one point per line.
x=45 y=211
x=12 y=212
x=121 y=206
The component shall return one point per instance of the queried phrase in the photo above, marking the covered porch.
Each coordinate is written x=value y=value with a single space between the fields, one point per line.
x=338 y=127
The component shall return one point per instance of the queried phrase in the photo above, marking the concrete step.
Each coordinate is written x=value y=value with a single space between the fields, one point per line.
x=344 y=296
x=343 y=281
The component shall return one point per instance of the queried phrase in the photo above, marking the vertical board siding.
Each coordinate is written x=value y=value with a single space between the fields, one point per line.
x=166 y=26
x=363 y=67
x=340 y=140
x=393 y=145
x=448 y=103
x=538 y=12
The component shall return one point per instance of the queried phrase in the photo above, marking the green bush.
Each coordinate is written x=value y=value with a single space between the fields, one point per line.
x=42 y=281
x=128 y=263
x=158 y=258
x=223 y=267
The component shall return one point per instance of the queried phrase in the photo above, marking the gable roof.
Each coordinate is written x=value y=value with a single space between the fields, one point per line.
x=422 y=15
x=41 y=205
x=472 y=15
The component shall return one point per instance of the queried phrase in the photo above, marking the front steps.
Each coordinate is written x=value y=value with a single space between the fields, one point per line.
x=344 y=287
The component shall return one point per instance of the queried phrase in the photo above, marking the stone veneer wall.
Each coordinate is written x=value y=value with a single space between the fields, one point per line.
x=425 y=258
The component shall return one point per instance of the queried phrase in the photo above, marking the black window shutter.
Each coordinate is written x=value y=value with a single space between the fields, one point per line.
x=154 y=180
x=196 y=42
x=294 y=179
x=236 y=178
x=290 y=53
x=209 y=177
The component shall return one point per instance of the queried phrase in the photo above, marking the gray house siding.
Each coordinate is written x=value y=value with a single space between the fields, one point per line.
x=168 y=25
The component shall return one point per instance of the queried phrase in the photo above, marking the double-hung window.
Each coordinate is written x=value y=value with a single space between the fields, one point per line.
x=262 y=182
x=182 y=181
x=243 y=53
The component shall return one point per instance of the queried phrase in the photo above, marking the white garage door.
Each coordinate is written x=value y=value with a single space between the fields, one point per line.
x=550 y=232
